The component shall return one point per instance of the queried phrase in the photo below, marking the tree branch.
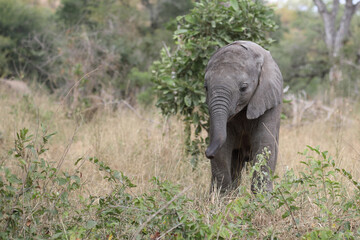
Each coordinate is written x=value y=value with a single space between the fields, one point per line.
x=321 y=6
x=334 y=38
x=357 y=6
x=335 y=9
x=329 y=22
x=343 y=30
x=158 y=211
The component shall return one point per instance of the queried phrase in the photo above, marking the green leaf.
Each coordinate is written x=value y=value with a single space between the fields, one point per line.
x=62 y=181
x=56 y=235
x=180 y=31
x=22 y=161
x=90 y=224
x=234 y=4
x=239 y=29
x=190 y=19
x=286 y=214
x=78 y=160
x=13 y=179
x=187 y=100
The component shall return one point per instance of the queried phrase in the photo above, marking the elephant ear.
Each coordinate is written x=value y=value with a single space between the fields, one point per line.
x=268 y=94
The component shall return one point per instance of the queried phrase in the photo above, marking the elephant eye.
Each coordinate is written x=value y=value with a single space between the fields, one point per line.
x=206 y=88
x=243 y=87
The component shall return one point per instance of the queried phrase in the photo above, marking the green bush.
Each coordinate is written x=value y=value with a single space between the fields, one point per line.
x=74 y=12
x=37 y=192
x=178 y=76
x=19 y=54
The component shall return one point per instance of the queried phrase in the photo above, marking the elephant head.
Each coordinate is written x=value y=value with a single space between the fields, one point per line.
x=240 y=76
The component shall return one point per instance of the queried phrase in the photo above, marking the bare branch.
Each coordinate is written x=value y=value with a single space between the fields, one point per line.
x=350 y=63
x=349 y=2
x=357 y=6
x=166 y=49
x=321 y=6
x=335 y=9
x=157 y=212
x=343 y=30
x=334 y=38
x=329 y=23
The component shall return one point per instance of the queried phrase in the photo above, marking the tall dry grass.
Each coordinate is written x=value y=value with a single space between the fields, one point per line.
x=143 y=144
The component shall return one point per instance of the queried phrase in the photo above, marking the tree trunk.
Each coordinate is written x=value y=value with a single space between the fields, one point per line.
x=335 y=77
x=150 y=7
x=335 y=36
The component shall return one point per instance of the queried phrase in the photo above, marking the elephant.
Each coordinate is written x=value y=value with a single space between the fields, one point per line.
x=244 y=88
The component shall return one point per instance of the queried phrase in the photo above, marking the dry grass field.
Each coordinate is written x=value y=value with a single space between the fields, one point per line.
x=143 y=145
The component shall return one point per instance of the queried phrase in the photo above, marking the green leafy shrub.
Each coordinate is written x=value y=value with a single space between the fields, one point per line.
x=73 y=13
x=37 y=192
x=178 y=76
x=320 y=188
x=19 y=55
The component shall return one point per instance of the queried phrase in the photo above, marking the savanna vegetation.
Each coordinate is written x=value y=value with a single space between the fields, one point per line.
x=107 y=141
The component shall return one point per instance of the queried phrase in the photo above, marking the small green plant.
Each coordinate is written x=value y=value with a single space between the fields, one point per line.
x=36 y=191
x=323 y=180
x=319 y=188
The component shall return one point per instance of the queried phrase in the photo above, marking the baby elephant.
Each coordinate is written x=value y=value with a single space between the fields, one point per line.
x=244 y=90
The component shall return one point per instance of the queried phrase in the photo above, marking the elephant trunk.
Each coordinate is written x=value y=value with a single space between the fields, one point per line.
x=218 y=109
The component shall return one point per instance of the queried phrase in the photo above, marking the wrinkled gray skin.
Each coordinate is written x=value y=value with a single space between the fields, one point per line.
x=244 y=95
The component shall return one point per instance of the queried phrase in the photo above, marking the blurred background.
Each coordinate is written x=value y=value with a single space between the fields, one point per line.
x=54 y=43
x=111 y=45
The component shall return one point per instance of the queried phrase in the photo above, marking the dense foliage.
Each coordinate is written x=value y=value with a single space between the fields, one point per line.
x=179 y=75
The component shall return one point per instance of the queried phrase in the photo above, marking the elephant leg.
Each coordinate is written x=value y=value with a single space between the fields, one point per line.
x=237 y=164
x=261 y=180
x=221 y=167
x=240 y=155
x=265 y=135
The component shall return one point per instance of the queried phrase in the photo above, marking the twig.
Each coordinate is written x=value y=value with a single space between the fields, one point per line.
x=166 y=49
x=132 y=208
x=75 y=85
x=62 y=224
x=288 y=207
x=275 y=140
x=163 y=235
x=61 y=160
x=357 y=152
x=134 y=111
x=350 y=63
x=131 y=108
x=67 y=149
x=119 y=102
x=158 y=211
